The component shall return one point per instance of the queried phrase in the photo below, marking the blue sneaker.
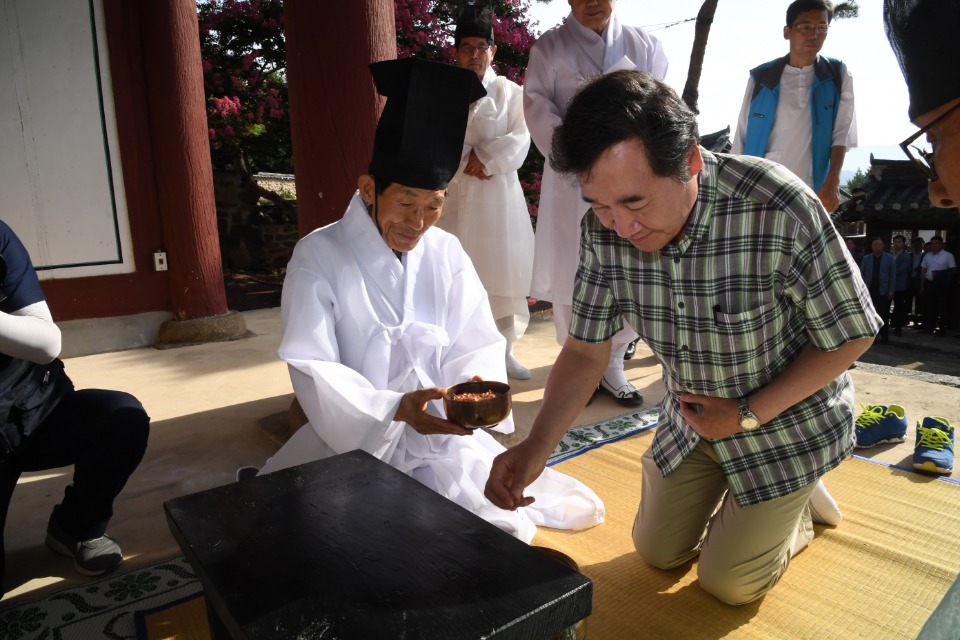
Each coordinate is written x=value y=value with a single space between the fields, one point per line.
x=934 y=451
x=878 y=424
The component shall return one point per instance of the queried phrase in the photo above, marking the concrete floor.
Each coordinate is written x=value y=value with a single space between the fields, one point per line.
x=217 y=406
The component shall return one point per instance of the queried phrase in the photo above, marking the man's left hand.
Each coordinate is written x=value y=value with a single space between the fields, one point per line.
x=711 y=417
x=829 y=195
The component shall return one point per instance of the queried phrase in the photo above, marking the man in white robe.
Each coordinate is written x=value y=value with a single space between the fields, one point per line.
x=485 y=207
x=380 y=312
x=590 y=43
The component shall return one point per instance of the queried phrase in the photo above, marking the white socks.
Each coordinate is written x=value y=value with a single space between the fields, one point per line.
x=615 y=377
x=516 y=370
x=823 y=508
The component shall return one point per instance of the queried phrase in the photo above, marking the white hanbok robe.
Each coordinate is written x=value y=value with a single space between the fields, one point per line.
x=561 y=60
x=361 y=328
x=490 y=217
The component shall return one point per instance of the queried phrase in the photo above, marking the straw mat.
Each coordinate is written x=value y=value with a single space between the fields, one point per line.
x=879 y=574
x=185 y=619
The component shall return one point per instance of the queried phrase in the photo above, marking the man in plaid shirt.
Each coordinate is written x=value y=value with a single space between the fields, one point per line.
x=730 y=270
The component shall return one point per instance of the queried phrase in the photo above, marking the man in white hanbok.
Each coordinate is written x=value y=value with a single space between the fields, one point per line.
x=485 y=207
x=590 y=43
x=380 y=312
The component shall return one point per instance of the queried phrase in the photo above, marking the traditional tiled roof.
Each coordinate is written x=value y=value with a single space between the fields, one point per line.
x=896 y=192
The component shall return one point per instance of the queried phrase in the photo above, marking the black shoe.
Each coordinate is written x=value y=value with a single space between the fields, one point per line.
x=897 y=332
x=91 y=557
x=627 y=395
x=631 y=350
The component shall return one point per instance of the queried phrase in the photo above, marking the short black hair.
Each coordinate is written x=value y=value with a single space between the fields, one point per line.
x=802 y=6
x=940 y=238
x=919 y=239
x=621 y=106
x=901 y=237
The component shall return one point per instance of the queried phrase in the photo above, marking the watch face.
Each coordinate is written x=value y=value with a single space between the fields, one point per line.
x=749 y=422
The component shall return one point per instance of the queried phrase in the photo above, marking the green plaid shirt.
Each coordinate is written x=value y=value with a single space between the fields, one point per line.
x=759 y=274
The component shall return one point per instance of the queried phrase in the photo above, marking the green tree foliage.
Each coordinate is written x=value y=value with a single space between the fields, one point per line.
x=857 y=179
x=846 y=10
x=244 y=60
x=425 y=29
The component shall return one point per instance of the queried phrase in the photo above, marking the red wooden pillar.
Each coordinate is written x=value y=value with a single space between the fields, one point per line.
x=333 y=104
x=181 y=153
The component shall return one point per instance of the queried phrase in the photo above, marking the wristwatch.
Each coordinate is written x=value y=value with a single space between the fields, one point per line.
x=748 y=419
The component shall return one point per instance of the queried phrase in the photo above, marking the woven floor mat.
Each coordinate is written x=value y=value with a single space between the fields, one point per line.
x=879 y=574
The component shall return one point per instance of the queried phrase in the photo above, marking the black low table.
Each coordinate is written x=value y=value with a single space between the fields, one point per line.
x=349 y=547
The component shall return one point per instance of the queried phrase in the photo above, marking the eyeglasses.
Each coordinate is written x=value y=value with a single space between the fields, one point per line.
x=469 y=50
x=922 y=157
x=809 y=29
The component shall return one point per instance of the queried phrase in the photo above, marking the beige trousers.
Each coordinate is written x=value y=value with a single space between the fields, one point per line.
x=743 y=550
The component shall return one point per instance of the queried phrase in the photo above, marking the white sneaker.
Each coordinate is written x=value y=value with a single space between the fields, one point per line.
x=516 y=370
x=823 y=508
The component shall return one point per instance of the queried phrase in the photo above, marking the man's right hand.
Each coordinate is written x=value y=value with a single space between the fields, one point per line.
x=573 y=378
x=511 y=473
x=413 y=411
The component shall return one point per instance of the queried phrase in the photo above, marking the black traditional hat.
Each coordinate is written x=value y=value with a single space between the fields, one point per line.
x=474 y=21
x=419 y=138
x=925 y=36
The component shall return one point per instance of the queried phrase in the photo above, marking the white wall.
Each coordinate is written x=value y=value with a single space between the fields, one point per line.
x=61 y=187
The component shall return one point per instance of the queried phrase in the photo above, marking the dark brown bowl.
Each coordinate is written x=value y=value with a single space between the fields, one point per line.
x=484 y=413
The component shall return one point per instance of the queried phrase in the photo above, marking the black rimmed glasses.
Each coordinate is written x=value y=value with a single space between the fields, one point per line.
x=469 y=50
x=922 y=156
x=809 y=29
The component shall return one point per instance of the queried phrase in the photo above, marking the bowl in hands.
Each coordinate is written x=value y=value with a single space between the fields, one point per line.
x=483 y=403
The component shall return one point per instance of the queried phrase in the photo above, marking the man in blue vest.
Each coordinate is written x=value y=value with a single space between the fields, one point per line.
x=798 y=109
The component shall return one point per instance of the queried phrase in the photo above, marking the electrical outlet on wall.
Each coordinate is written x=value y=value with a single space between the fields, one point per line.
x=160 y=260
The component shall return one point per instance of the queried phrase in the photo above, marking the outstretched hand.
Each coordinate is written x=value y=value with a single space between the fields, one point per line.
x=511 y=473
x=413 y=411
